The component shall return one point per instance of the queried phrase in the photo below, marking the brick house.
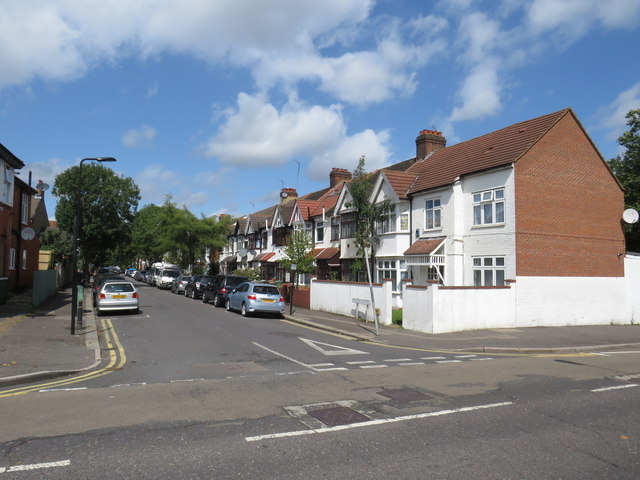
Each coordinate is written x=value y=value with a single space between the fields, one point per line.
x=22 y=218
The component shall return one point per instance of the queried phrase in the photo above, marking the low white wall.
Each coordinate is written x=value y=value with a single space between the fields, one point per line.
x=632 y=287
x=436 y=309
x=563 y=301
x=337 y=297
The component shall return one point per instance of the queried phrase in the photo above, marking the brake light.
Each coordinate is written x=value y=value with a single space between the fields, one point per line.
x=252 y=297
x=223 y=290
x=135 y=294
x=281 y=299
x=101 y=296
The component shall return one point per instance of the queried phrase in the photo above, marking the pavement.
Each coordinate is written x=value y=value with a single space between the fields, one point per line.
x=37 y=344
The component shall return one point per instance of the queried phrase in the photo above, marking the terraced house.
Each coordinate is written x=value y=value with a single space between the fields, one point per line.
x=531 y=209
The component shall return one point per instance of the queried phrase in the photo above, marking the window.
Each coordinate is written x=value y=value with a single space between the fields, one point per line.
x=319 y=232
x=12 y=259
x=387 y=222
x=348 y=225
x=393 y=269
x=488 y=271
x=335 y=228
x=433 y=214
x=7 y=185
x=404 y=221
x=24 y=209
x=488 y=207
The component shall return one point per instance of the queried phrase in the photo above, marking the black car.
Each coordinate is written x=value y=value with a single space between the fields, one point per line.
x=217 y=291
x=196 y=285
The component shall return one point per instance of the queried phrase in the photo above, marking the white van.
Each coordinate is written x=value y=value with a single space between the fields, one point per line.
x=163 y=274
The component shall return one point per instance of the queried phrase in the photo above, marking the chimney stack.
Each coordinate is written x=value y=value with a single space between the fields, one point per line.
x=288 y=195
x=428 y=142
x=337 y=175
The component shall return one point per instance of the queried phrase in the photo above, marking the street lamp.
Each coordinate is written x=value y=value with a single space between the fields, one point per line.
x=77 y=225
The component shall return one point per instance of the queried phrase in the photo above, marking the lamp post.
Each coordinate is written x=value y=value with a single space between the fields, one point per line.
x=77 y=225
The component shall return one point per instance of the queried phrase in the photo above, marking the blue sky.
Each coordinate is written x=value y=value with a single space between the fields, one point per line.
x=220 y=103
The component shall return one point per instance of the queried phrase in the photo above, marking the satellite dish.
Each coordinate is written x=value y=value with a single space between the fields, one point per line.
x=28 y=233
x=630 y=215
x=242 y=252
x=284 y=194
x=42 y=186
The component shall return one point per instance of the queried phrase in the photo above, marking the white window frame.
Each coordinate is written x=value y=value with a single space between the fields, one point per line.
x=24 y=209
x=433 y=214
x=394 y=269
x=388 y=222
x=489 y=207
x=319 y=228
x=7 y=185
x=489 y=271
x=12 y=259
x=24 y=259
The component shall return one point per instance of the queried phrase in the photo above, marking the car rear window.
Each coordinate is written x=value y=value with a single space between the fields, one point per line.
x=118 y=287
x=266 y=290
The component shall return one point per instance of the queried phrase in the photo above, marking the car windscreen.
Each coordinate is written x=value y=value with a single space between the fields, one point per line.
x=171 y=273
x=265 y=290
x=118 y=287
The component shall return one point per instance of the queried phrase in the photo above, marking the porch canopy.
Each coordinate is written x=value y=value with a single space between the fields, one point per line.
x=427 y=253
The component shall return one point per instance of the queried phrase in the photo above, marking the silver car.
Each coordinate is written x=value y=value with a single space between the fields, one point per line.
x=117 y=296
x=253 y=297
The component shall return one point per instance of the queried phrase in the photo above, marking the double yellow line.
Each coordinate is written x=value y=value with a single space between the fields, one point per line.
x=117 y=359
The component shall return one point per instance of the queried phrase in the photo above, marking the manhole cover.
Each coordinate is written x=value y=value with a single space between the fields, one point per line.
x=404 y=395
x=338 y=416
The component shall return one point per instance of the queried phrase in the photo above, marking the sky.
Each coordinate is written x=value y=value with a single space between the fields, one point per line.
x=221 y=103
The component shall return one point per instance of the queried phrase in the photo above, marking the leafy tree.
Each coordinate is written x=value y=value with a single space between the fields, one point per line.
x=107 y=202
x=627 y=169
x=145 y=234
x=59 y=243
x=368 y=214
x=250 y=273
x=298 y=253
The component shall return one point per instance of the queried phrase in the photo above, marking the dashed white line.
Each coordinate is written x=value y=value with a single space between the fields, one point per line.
x=432 y=358
x=183 y=381
x=464 y=356
x=410 y=364
x=34 y=466
x=375 y=422
x=363 y=362
x=322 y=365
x=617 y=387
x=480 y=359
x=374 y=366
x=449 y=361
x=397 y=360
x=46 y=390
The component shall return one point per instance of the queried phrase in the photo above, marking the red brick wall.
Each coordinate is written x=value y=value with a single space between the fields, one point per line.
x=568 y=208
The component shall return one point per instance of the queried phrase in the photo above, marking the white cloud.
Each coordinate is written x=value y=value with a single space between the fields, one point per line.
x=612 y=116
x=257 y=134
x=156 y=182
x=139 y=137
x=479 y=94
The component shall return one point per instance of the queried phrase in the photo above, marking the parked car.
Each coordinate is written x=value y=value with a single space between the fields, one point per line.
x=140 y=275
x=196 y=285
x=165 y=277
x=99 y=280
x=253 y=297
x=117 y=295
x=217 y=291
x=180 y=283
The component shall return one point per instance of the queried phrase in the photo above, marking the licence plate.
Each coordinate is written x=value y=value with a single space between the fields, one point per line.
x=267 y=300
x=118 y=296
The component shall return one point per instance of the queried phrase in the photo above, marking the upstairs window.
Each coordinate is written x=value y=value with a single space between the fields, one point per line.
x=387 y=222
x=488 y=207
x=335 y=228
x=433 y=214
x=348 y=225
x=319 y=232
x=24 y=209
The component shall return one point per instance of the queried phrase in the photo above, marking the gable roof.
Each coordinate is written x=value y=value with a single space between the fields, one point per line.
x=400 y=182
x=495 y=149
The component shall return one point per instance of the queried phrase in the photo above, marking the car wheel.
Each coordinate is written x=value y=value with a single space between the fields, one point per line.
x=193 y=293
x=216 y=301
x=243 y=311
x=228 y=305
x=204 y=298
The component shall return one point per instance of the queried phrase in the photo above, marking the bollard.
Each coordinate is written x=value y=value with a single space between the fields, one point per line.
x=79 y=309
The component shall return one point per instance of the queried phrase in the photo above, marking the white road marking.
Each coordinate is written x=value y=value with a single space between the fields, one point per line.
x=45 y=390
x=410 y=364
x=628 y=377
x=323 y=365
x=375 y=422
x=617 y=387
x=364 y=362
x=464 y=356
x=315 y=369
x=34 y=466
x=374 y=366
x=336 y=349
x=432 y=358
x=181 y=381
x=331 y=369
x=449 y=361
x=618 y=353
x=480 y=359
x=397 y=360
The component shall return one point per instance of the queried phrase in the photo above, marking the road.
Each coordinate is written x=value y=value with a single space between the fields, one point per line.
x=197 y=392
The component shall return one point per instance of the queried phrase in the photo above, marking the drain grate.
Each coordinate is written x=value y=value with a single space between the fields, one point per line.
x=404 y=395
x=335 y=416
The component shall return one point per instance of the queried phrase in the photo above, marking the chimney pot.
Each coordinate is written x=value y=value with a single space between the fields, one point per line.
x=428 y=142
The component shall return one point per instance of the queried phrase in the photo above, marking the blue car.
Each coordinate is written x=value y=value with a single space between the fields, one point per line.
x=253 y=297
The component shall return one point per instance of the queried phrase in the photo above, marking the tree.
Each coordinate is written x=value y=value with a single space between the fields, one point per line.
x=107 y=202
x=58 y=242
x=627 y=170
x=298 y=253
x=368 y=214
x=145 y=234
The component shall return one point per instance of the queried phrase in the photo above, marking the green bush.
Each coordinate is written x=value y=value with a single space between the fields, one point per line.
x=396 y=316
